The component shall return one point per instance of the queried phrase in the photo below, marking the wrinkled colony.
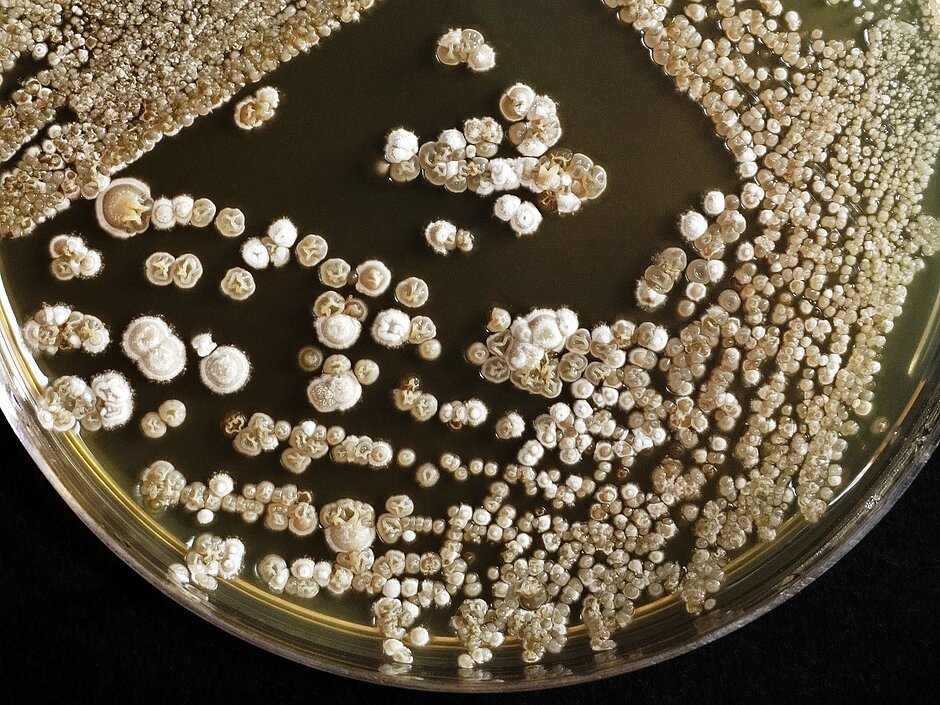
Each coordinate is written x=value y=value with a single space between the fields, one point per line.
x=718 y=406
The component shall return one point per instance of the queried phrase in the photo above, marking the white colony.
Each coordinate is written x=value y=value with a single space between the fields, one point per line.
x=225 y=370
x=401 y=145
x=391 y=328
x=151 y=343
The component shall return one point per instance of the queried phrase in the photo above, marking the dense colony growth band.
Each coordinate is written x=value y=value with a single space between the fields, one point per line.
x=738 y=411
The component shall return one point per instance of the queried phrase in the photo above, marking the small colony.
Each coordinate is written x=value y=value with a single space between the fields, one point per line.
x=466 y=46
x=71 y=258
x=257 y=109
x=170 y=414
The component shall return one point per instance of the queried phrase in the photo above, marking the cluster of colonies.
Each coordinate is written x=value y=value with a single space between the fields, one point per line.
x=561 y=181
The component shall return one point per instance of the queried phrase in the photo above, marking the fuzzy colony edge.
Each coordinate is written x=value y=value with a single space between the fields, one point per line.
x=784 y=293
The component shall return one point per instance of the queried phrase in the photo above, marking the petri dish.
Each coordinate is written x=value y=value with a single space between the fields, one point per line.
x=792 y=74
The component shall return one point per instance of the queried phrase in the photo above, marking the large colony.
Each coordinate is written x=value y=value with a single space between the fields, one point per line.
x=785 y=292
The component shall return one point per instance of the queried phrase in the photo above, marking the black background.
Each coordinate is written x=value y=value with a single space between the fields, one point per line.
x=78 y=625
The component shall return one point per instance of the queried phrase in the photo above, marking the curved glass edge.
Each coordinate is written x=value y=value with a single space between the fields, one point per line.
x=917 y=441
